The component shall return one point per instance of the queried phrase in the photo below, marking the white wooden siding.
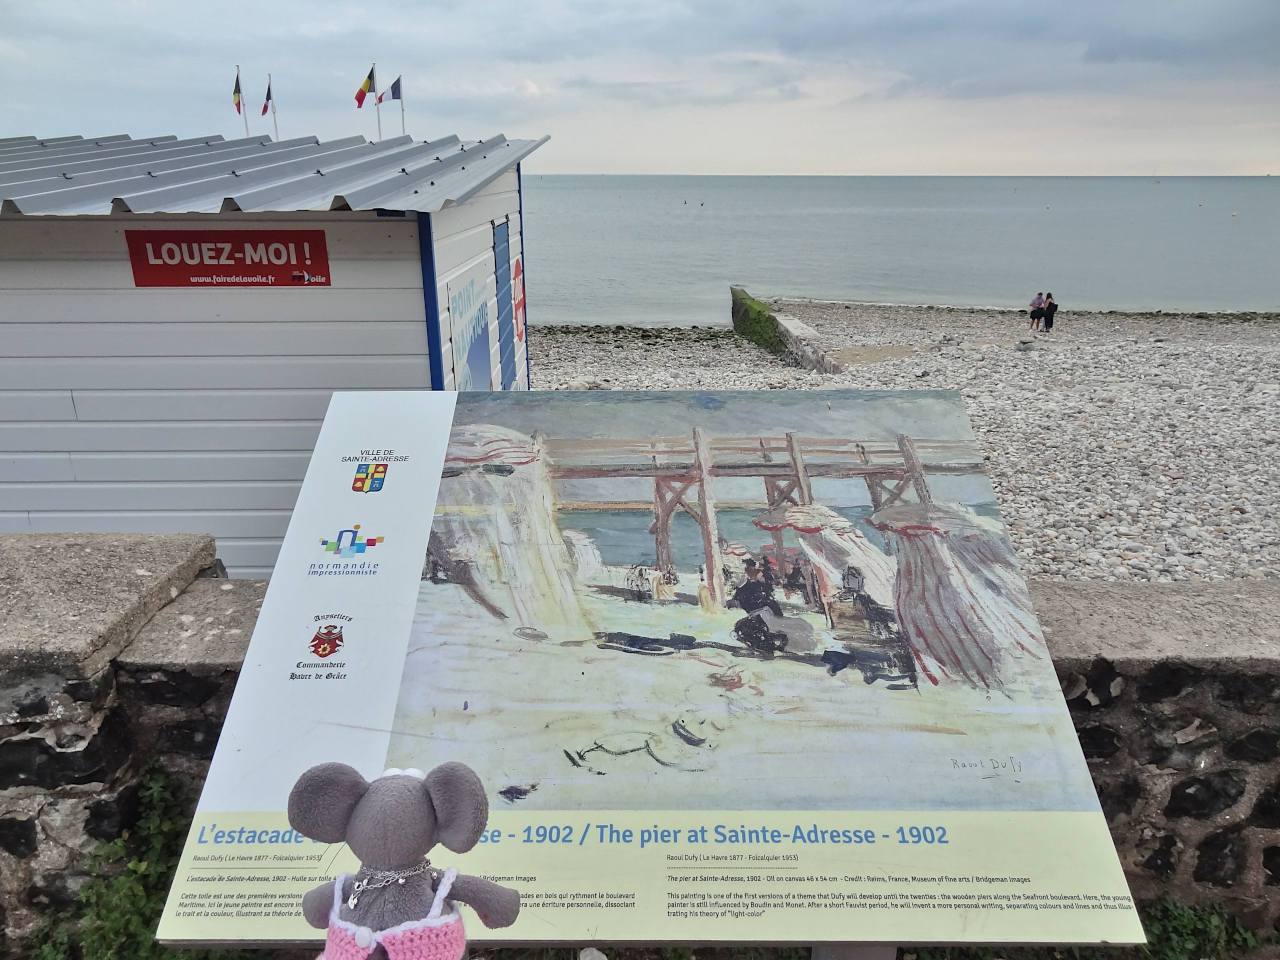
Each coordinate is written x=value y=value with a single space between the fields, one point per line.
x=242 y=524
x=189 y=465
x=173 y=304
x=212 y=373
x=36 y=405
x=183 y=409
x=105 y=339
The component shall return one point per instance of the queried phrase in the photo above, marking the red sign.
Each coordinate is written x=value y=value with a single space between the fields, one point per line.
x=517 y=289
x=228 y=258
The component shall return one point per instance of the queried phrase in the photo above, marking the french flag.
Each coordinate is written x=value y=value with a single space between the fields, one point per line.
x=391 y=93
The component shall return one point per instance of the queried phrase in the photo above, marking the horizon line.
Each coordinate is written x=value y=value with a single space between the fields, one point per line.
x=1009 y=176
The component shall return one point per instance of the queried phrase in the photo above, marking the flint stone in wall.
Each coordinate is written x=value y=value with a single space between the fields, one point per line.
x=1203 y=797
x=1271 y=864
x=1118 y=797
x=214 y=571
x=1258 y=746
x=1163 y=860
x=1177 y=759
x=108 y=818
x=1072 y=684
x=175 y=688
x=1167 y=680
x=50 y=699
x=1222 y=858
x=1178 y=742
x=1098 y=741
x=18 y=837
x=95 y=692
x=1101 y=685
x=34 y=699
x=1266 y=812
x=53 y=890
x=32 y=761
x=31 y=703
x=195 y=737
x=1250 y=692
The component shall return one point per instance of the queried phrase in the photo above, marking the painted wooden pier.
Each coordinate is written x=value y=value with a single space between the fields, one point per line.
x=684 y=470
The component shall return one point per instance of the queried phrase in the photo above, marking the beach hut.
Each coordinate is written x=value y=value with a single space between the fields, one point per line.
x=175 y=313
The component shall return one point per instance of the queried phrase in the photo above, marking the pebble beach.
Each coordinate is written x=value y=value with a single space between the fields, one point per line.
x=1122 y=447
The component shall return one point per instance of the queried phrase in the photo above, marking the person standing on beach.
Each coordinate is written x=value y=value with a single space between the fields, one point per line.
x=1037 y=309
x=1050 y=308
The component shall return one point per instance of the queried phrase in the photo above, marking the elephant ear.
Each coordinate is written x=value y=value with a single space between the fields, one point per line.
x=321 y=802
x=461 y=807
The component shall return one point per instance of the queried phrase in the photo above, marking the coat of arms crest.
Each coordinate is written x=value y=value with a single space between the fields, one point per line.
x=327 y=640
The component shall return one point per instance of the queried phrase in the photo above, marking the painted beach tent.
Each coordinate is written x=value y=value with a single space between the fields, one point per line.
x=176 y=313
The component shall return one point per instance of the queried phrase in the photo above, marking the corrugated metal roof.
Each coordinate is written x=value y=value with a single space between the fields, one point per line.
x=71 y=176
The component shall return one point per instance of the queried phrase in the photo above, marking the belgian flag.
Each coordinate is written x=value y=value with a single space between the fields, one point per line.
x=364 y=89
x=235 y=93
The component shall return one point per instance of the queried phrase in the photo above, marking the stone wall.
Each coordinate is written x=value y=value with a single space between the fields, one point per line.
x=1184 y=759
x=118 y=651
x=94 y=685
x=1175 y=694
x=778 y=333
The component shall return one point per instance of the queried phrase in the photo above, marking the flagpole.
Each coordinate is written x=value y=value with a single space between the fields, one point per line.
x=402 y=110
x=274 y=122
x=377 y=107
x=244 y=107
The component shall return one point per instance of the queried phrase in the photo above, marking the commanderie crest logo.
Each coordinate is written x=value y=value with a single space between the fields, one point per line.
x=327 y=640
x=349 y=543
x=369 y=477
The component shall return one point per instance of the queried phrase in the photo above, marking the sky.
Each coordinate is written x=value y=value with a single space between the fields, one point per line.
x=874 y=415
x=1139 y=87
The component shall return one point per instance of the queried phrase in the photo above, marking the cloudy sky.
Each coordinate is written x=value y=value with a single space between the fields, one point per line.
x=657 y=86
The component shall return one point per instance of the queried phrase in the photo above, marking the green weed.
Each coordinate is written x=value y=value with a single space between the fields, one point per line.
x=754 y=321
x=1178 y=932
x=118 y=909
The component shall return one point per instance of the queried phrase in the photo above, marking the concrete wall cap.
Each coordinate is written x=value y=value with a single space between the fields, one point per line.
x=69 y=602
x=206 y=630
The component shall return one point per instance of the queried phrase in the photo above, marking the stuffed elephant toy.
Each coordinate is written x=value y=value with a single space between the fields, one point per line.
x=398 y=905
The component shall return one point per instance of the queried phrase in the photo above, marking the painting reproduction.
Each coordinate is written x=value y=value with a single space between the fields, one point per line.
x=730 y=601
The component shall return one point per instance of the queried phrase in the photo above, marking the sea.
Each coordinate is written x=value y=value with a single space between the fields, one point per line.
x=663 y=250
x=623 y=536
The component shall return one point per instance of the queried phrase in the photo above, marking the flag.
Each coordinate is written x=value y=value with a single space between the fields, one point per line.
x=364 y=89
x=392 y=92
x=235 y=94
x=267 y=102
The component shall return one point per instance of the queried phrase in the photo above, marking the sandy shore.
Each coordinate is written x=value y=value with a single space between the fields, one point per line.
x=1121 y=447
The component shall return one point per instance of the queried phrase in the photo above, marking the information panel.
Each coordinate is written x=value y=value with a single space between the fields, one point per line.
x=732 y=666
